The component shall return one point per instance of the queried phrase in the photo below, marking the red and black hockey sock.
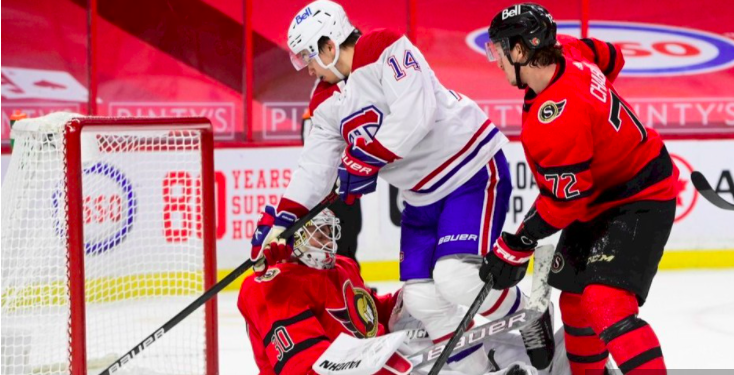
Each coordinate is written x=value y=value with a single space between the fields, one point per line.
x=612 y=313
x=584 y=350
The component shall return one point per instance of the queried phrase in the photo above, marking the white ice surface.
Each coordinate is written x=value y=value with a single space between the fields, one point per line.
x=692 y=313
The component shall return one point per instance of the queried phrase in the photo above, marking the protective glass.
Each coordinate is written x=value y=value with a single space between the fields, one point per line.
x=301 y=60
x=493 y=54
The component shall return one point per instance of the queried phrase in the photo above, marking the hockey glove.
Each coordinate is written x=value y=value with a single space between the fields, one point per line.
x=358 y=172
x=267 y=249
x=508 y=260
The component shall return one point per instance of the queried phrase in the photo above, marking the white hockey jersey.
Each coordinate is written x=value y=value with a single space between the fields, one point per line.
x=441 y=138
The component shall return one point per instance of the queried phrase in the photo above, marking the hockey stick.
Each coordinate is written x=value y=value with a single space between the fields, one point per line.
x=538 y=303
x=703 y=187
x=518 y=320
x=216 y=288
x=463 y=325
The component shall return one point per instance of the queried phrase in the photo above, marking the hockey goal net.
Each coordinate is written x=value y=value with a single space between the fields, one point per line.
x=107 y=232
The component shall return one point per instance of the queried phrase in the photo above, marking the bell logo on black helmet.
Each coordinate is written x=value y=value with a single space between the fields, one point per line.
x=528 y=22
x=511 y=12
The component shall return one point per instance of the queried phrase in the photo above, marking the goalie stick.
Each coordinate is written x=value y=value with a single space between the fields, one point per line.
x=216 y=288
x=703 y=187
x=538 y=303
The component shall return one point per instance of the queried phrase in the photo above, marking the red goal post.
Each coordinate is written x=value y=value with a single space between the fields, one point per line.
x=101 y=190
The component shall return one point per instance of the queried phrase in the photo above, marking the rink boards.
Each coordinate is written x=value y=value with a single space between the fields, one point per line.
x=248 y=178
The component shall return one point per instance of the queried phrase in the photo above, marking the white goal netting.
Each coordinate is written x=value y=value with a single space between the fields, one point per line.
x=143 y=248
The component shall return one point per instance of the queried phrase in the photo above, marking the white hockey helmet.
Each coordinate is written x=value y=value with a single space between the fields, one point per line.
x=318 y=19
x=315 y=243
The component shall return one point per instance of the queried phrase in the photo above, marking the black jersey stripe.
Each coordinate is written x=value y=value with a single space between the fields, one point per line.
x=535 y=226
x=559 y=73
x=656 y=170
x=301 y=346
x=286 y=322
x=571 y=168
x=590 y=44
x=580 y=195
x=612 y=59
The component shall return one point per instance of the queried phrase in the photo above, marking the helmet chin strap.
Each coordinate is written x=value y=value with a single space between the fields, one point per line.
x=332 y=66
x=520 y=84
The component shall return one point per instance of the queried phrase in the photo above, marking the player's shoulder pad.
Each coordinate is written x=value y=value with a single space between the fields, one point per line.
x=323 y=91
x=370 y=46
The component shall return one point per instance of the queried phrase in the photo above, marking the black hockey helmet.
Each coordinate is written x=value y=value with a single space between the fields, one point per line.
x=529 y=23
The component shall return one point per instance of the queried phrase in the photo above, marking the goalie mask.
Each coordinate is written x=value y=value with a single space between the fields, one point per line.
x=315 y=243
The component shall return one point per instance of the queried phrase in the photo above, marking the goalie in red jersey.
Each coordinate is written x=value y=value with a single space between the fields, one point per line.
x=606 y=181
x=295 y=309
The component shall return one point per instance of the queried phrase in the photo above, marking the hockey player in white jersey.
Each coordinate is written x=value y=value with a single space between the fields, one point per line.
x=380 y=110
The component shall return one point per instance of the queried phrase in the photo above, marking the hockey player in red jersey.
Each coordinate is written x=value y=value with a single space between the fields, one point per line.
x=295 y=309
x=380 y=111
x=606 y=181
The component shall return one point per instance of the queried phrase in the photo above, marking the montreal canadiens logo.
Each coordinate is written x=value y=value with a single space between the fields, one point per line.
x=109 y=208
x=687 y=195
x=362 y=124
x=649 y=49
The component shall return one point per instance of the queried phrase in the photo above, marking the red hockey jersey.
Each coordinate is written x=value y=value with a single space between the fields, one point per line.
x=586 y=147
x=294 y=312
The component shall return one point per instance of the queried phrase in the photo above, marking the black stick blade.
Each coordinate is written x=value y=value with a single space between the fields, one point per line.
x=703 y=187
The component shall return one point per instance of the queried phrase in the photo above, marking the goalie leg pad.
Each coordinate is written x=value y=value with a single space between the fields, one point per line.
x=457 y=279
x=440 y=318
x=612 y=313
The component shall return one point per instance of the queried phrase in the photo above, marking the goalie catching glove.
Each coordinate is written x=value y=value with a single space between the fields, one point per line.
x=508 y=260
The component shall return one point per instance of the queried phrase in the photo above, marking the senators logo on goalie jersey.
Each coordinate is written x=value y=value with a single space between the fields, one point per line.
x=359 y=314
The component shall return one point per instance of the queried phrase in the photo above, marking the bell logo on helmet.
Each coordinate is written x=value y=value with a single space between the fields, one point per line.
x=302 y=17
x=511 y=12
x=535 y=41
